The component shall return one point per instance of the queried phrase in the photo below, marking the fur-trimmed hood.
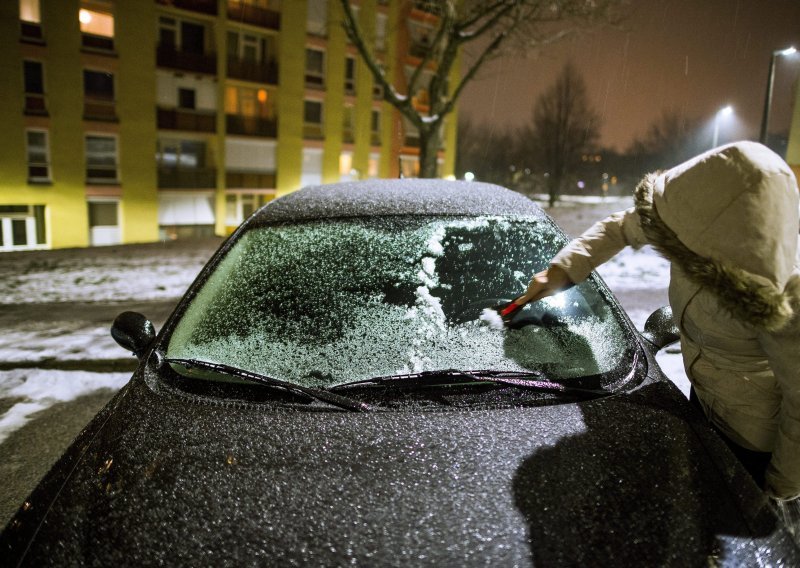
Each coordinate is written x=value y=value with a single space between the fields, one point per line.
x=729 y=220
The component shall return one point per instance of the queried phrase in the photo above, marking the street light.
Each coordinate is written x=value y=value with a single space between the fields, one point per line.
x=768 y=99
x=721 y=113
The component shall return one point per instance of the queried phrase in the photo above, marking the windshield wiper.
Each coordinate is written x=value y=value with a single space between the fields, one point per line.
x=309 y=392
x=519 y=379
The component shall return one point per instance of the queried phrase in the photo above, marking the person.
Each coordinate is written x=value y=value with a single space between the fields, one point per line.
x=728 y=222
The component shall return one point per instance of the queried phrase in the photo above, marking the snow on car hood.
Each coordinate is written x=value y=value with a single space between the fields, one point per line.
x=623 y=481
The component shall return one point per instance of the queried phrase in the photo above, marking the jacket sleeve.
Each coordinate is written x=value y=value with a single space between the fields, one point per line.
x=783 y=473
x=599 y=243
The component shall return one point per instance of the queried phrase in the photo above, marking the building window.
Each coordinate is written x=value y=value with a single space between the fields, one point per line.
x=101 y=159
x=34 y=87
x=22 y=227
x=239 y=206
x=375 y=127
x=38 y=156
x=98 y=95
x=29 y=11
x=181 y=35
x=312 y=119
x=315 y=68
x=380 y=32
x=97 y=29
x=30 y=20
x=317 y=17
x=350 y=75
x=187 y=98
x=104 y=226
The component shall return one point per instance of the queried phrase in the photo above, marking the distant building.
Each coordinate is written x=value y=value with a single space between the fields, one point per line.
x=143 y=120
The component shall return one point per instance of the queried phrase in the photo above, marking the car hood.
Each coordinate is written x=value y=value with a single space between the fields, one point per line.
x=629 y=479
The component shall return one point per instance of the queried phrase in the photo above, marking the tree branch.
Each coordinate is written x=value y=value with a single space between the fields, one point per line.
x=403 y=104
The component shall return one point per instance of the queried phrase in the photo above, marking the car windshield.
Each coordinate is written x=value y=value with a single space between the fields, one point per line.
x=323 y=303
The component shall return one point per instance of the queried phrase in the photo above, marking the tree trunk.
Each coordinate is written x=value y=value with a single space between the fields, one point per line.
x=429 y=143
x=553 y=188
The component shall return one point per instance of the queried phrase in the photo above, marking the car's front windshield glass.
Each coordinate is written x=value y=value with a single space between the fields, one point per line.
x=323 y=303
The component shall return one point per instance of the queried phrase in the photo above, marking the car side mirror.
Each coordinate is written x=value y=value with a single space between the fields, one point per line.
x=660 y=329
x=133 y=332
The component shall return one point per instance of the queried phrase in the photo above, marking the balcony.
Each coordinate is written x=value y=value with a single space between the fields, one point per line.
x=202 y=6
x=35 y=104
x=97 y=108
x=169 y=56
x=188 y=120
x=187 y=178
x=244 y=13
x=251 y=126
x=255 y=71
x=92 y=42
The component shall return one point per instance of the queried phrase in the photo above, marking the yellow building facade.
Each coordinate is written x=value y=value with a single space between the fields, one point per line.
x=144 y=120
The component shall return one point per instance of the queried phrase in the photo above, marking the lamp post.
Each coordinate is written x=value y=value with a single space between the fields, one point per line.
x=768 y=99
x=724 y=111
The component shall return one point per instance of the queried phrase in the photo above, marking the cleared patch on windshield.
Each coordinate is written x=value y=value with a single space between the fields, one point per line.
x=325 y=303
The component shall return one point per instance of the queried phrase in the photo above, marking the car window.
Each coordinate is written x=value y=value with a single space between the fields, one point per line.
x=328 y=302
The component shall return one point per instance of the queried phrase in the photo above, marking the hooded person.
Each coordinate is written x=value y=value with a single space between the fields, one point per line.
x=728 y=222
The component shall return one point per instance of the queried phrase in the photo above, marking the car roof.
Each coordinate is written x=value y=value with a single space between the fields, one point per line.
x=396 y=197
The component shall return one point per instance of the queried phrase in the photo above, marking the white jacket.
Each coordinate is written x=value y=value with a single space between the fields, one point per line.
x=728 y=222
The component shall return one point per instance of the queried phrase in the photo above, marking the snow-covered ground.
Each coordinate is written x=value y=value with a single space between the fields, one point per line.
x=153 y=272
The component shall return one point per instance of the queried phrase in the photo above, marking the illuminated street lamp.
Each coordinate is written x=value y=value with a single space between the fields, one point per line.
x=768 y=99
x=721 y=113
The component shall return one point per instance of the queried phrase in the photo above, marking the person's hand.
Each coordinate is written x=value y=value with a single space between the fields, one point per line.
x=545 y=283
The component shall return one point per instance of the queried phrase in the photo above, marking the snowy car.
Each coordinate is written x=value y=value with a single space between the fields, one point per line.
x=336 y=389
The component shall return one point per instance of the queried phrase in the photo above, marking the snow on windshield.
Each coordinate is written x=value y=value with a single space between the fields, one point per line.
x=329 y=302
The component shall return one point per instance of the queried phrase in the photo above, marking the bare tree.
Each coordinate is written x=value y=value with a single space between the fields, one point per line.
x=670 y=139
x=563 y=129
x=490 y=27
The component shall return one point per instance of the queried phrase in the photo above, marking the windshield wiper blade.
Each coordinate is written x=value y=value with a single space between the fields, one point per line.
x=313 y=393
x=525 y=380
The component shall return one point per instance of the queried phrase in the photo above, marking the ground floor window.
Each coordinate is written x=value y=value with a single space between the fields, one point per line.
x=22 y=227
x=104 y=226
x=239 y=206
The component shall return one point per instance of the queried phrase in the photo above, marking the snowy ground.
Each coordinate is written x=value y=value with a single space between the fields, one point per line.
x=163 y=272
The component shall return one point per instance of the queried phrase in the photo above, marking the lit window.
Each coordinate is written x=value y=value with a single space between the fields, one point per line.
x=38 y=156
x=96 y=23
x=29 y=11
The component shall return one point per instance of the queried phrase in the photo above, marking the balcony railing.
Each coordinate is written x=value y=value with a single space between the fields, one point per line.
x=99 y=109
x=256 y=71
x=244 y=13
x=203 y=6
x=189 y=120
x=97 y=42
x=251 y=126
x=169 y=56
x=249 y=180
x=187 y=178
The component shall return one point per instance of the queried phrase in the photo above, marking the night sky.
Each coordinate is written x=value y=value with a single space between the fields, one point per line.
x=694 y=56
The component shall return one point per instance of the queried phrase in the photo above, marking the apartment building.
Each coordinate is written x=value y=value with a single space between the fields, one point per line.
x=142 y=120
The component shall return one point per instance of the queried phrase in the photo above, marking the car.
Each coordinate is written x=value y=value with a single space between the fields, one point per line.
x=336 y=388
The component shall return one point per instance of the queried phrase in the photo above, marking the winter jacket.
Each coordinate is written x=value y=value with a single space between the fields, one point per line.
x=728 y=222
